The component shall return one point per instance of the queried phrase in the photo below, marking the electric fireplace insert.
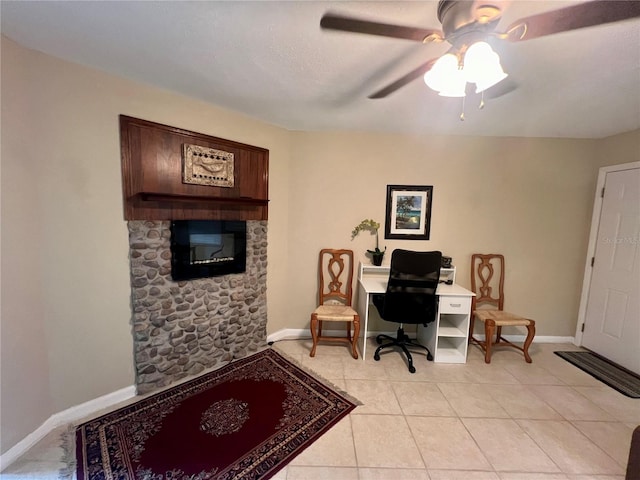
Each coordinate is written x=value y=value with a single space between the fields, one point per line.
x=207 y=248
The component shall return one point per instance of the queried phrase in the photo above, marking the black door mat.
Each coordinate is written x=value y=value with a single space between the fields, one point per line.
x=624 y=381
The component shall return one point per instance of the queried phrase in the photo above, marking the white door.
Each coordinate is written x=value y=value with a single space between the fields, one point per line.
x=612 y=319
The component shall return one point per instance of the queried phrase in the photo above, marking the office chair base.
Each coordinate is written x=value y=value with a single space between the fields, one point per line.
x=403 y=341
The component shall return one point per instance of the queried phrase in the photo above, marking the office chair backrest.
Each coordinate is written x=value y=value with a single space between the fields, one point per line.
x=411 y=291
x=487 y=279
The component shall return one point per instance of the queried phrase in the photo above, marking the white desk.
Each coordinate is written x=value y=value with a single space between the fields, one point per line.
x=447 y=336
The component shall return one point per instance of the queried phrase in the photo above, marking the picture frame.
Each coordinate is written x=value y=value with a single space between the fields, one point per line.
x=408 y=213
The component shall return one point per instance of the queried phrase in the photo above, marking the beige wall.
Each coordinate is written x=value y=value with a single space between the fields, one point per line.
x=529 y=199
x=25 y=397
x=61 y=204
x=66 y=334
x=619 y=149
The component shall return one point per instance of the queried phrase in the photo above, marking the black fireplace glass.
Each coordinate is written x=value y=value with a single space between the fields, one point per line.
x=207 y=248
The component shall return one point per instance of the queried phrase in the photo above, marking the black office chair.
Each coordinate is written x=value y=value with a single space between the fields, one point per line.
x=410 y=298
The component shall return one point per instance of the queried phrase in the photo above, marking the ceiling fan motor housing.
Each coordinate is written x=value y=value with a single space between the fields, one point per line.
x=462 y=16
x=465 y=21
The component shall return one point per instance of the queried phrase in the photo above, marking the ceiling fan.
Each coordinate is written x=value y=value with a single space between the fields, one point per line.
x=466 y=24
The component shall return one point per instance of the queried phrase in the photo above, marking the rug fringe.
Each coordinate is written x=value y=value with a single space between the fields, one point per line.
x=319 y=377
x=68 y=444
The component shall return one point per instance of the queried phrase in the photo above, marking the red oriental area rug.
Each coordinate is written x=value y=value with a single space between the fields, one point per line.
x=246 y=420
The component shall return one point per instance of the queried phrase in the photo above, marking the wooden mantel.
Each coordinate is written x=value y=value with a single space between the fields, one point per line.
x=153 y=181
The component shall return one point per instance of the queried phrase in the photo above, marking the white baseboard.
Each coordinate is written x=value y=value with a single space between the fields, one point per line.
x=289 y=334
x=293 y=333
x=69 y=415
x=300 y=333
x=536 y=339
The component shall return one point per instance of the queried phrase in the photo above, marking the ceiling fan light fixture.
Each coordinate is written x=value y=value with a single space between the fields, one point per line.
x=456 y=89
x=482 y=66
x=446 y=77
x=466 y=21
x=490 y=81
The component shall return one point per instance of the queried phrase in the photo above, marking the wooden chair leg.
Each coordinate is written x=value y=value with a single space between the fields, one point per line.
x=314 y=333
x=531 y=331
x=356 y=335
x=489 y=326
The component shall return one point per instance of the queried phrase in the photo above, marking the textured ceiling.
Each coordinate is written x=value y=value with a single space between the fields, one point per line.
x=271 y=61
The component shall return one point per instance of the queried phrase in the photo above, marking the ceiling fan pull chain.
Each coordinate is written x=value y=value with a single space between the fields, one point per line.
x=462 y=112
x=481 y=106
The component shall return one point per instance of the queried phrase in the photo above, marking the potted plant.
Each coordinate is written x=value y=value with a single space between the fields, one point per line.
x=376 y=254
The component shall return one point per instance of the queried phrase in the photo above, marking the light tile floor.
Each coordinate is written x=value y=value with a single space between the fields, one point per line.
x=508 y=420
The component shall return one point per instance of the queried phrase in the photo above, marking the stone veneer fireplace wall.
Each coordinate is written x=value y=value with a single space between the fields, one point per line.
x=183 y=328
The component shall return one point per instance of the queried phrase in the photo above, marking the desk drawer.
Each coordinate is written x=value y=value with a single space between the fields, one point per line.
x=455 y=304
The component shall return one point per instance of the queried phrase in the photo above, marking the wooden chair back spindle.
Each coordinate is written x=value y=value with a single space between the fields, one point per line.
x=336 y=278
x=335 y=293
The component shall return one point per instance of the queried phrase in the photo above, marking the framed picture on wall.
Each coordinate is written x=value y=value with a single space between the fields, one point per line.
x=408 y=214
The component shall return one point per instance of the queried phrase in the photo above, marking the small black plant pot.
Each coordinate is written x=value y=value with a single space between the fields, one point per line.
x=377 y=258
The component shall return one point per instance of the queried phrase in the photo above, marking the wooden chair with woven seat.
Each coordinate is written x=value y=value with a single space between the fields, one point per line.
x=335 y=294
x=487 y=282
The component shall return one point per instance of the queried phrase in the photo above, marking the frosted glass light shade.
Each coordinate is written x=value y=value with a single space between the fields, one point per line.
x=445 y=77
x=497 y=77
x=482 y=66
x=454 y=89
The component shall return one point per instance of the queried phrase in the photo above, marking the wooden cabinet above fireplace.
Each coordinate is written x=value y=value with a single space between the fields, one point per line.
x=165 y=175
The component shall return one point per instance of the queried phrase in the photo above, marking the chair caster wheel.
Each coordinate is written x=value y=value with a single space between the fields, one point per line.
x=412 y=369
x=376 y=357
x=430 y=357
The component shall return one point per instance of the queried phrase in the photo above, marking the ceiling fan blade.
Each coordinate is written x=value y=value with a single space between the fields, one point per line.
x=401 y=82
x=582 y=15
x=332 y=21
